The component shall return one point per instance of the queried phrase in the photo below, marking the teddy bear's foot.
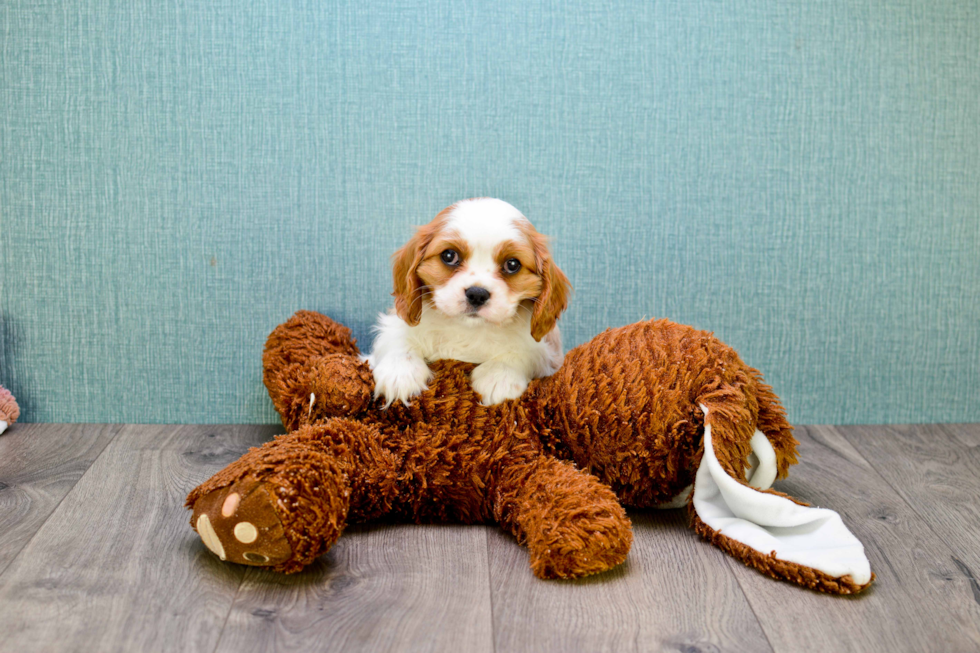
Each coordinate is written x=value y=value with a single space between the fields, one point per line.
x=572 y=524
x=239 y=523
x=579 y=551
x=282 y=504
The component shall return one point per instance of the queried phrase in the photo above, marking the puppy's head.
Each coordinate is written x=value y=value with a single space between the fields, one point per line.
x=480 y=260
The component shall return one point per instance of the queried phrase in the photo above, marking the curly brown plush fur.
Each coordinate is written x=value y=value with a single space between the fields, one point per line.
x=619 y=424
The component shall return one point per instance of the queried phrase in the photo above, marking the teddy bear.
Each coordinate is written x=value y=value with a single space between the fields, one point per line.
x=653 y=414
x=9 y=411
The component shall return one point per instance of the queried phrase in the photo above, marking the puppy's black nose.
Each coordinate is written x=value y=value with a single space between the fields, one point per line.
x=477 y=296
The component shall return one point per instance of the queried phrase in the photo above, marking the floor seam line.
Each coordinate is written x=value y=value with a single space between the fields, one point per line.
x=231 y=606
x=74 y=486
x=493 y=621
x=731 y=570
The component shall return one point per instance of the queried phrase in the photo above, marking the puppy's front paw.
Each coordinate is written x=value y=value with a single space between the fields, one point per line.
x=400 y=377
x=496 y=382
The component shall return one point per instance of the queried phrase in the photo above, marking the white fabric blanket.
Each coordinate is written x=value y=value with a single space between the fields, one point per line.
x=812 y=537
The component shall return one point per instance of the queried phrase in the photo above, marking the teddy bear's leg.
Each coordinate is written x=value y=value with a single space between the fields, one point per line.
x=286 y=502
x=572 y=524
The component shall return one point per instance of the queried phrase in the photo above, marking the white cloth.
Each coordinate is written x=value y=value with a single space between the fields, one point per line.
x=812 y=537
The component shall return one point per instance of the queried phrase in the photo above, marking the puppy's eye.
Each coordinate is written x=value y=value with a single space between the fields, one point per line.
x=450 y=257
x=512 y=265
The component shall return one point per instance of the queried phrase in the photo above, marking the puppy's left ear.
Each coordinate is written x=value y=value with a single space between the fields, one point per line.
x=555 y=290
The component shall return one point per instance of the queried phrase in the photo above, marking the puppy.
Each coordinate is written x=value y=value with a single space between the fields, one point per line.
x=477 y=284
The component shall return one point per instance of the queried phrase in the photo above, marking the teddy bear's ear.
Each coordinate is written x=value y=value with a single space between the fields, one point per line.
x=778 y=535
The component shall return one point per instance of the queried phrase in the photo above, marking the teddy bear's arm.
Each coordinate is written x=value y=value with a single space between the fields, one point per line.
x=333 y=385
x=301 y=356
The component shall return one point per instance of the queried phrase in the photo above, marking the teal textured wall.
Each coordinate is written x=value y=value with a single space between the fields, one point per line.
x=177 y=177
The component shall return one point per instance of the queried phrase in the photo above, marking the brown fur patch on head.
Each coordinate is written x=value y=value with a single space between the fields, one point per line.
x=552 y=300
x=410 y=288
x=432 y=270
x=526 y=283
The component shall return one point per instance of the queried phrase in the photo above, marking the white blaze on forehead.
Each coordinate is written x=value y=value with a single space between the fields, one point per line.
x=486 y=221
x=484 y=224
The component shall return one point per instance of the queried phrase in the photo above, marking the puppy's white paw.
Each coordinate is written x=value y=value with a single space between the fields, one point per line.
x=400 y=377
x=497 y=382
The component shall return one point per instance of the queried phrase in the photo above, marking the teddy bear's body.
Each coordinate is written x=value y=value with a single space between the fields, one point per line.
x=621 y=423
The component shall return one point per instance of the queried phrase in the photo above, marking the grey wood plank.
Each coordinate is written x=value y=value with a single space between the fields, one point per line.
x=920 y=601
x=936 y=469
x=966 y=434
x=380 y=588
x=39 y=464
x=673 y=593
x=116 y=566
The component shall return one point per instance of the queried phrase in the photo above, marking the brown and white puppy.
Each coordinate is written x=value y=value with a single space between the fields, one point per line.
x=477 y=284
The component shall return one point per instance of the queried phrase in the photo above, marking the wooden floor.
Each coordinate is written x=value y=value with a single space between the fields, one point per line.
x=96 y=554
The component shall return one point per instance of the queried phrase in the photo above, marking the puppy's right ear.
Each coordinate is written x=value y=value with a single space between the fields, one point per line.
x=409 y=287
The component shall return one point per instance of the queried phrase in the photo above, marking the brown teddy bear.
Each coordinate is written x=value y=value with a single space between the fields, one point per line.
x=634 y=417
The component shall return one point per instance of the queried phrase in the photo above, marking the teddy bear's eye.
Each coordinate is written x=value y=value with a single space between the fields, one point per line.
x=512 y=265
x=450 y=257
